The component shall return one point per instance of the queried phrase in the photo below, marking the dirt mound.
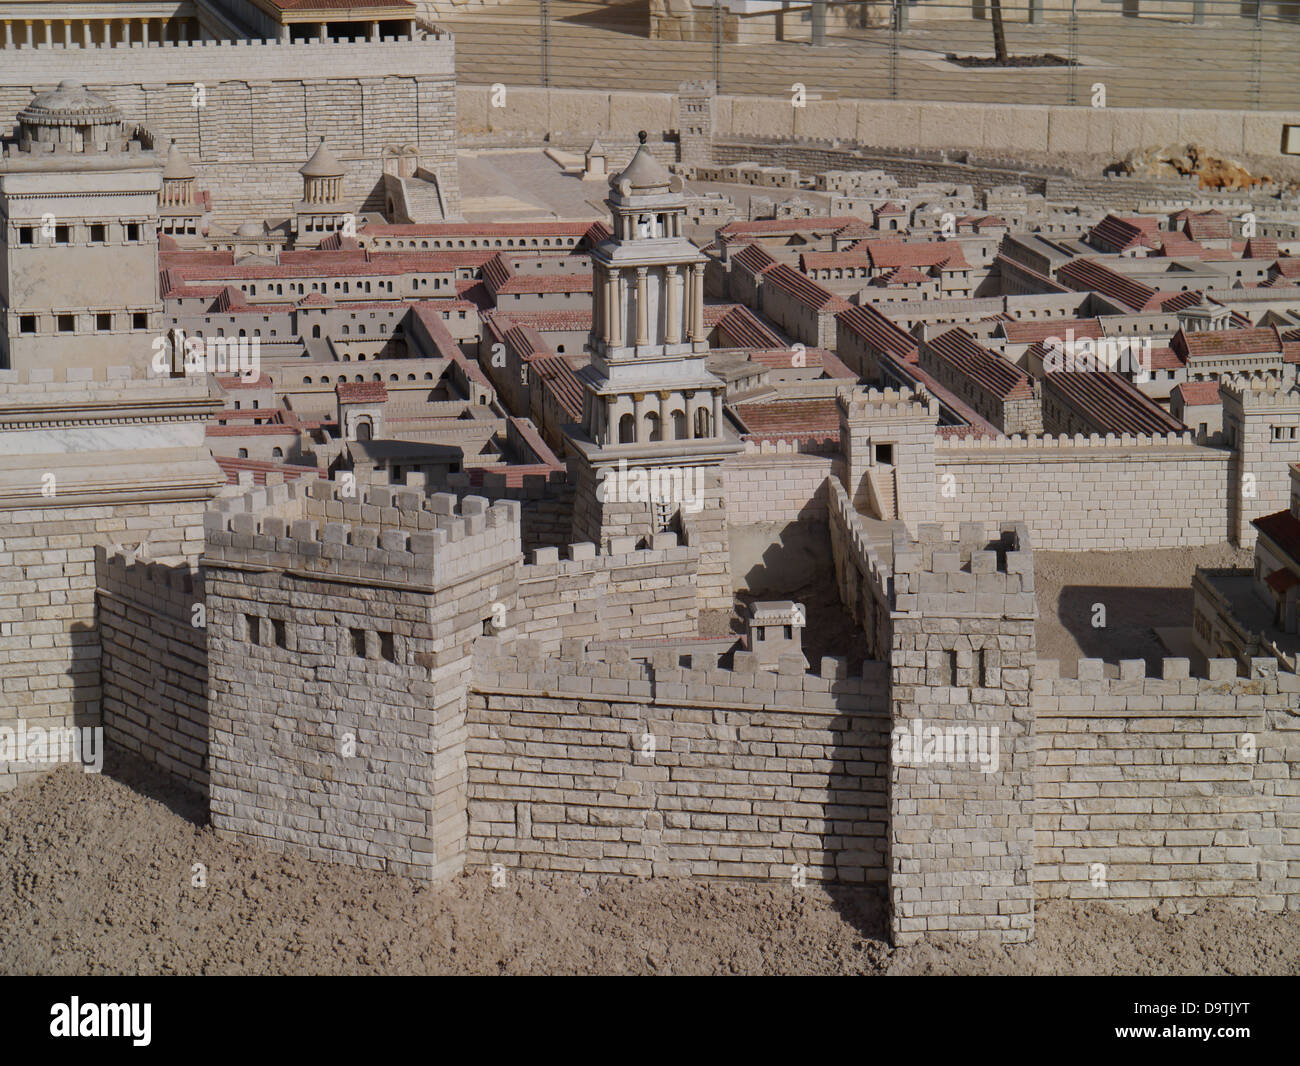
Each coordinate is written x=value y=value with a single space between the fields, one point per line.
x=100 y=878
x=1180 y=160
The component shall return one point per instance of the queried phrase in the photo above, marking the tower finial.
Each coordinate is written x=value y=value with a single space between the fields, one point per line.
x=641 y=136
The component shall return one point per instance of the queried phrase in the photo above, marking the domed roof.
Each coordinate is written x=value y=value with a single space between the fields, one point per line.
x=322 y=164
x=174 y=166
x=71 y=104
x=644 y=175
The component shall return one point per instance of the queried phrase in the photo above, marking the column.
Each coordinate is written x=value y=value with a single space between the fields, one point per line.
x=374 y=30
x=9 y=33
x=697 y=286
x=638 y=413
x=665 y=424
x=717 y=414
x=611 y=427
x=642 y=317
x=673 y=316
x=597 y=302
x=617 y=288
x=85 y=33
x=324 y=31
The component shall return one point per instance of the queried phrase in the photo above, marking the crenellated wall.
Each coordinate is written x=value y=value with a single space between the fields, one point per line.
x=154 y=664
x=1169 y=788
x=618 y=766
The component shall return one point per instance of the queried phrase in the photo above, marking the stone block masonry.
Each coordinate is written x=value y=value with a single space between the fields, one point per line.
x=961 y=786
x=340 y=627
x=624 y=594
x=154 y=664
x=1080 y=493
x=86 y=463
x=775 y=481
x=1170 y=788
x=264 y=106
x=616 y=766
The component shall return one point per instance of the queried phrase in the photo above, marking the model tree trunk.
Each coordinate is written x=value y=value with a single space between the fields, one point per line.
x=999 y=34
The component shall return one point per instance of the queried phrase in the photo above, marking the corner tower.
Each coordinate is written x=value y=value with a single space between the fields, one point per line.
x=653 y=437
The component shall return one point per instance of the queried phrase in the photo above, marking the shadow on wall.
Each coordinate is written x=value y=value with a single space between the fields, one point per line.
x=1113 y=622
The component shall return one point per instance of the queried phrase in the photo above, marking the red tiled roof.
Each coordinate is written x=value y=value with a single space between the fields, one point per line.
x=852 y=257
x=1111 y=403
x=1027 y=331
x=362 y=392
x=1088 y=275
x=887 y=254
x=739 y=327
x=882 y=334
x=902 y=276
x=1210 y=344
x=914 y=374
x=553 y=321
x=558 y=378
x=237 y=382
x=976 y=363
x=803 y=289
x=804 y=418
x=1117 y=234
x=1283 y=529
x=1260 y=248
x=1287 y=267
x=1198 y=393
x=753 y=257
x=1281 y=580
x=1208 y=226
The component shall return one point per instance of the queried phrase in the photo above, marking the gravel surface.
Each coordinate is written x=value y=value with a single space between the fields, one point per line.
x=98 y=879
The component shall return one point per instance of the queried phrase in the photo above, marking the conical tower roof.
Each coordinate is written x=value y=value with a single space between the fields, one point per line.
x=645 y=174
x=322 y=164
x=175 y=168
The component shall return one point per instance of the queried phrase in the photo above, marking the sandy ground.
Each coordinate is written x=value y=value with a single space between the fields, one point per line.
x=1140 y=590
x=97 y=879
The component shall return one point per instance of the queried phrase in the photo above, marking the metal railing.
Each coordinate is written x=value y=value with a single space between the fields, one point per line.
x=1116 y=53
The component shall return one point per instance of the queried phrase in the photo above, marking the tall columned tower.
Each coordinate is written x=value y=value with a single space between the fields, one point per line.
x=653 y=437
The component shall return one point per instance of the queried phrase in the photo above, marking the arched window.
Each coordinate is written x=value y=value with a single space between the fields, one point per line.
x=363 y=429
x=277 y=453
x=315 y=331
x=242 y=453
x=627 y=429
x=652 y=426
x=679 y=424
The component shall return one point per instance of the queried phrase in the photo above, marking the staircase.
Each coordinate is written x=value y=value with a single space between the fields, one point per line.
x=882 y=491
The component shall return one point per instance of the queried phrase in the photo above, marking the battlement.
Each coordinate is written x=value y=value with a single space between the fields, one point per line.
x=620 y=551
x=847 y=521
x=165 y=589
x=871 y=403
x=1096 y=682
x=246 y=44
x=674 y=675
x=1065 y=441
x=792 y=446
x=375 y=532
x=1265 y=391
x=986 y=571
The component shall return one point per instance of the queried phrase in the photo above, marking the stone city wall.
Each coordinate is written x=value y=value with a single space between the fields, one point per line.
x=1169 y=788
x=154 y=664
x=776 y=481
x=612 y=766
x=1079 y=493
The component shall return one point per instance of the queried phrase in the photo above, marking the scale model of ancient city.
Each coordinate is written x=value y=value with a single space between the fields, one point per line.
x=434 y=478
